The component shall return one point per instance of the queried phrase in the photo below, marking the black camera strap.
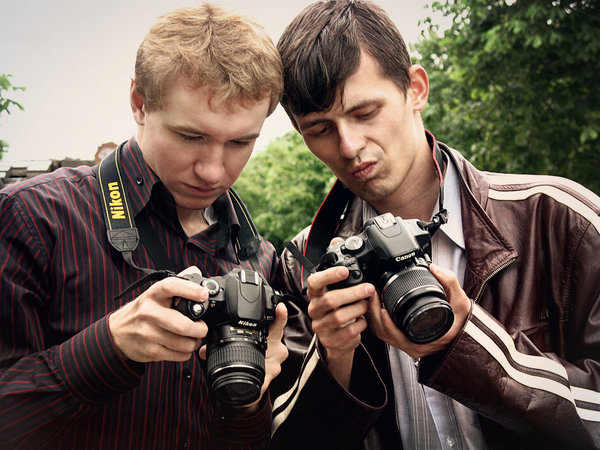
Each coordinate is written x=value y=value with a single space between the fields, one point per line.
x=440 y=160
x=326 y=221
x=328 y=216
x=124 y=236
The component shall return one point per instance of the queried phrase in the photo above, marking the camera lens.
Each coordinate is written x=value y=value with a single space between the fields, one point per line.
x=235 y=364
x=417 y=303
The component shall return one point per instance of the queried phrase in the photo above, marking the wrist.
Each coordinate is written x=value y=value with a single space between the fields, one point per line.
x=340 y=365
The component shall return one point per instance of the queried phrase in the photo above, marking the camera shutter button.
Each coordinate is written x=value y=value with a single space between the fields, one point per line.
x=198 y=309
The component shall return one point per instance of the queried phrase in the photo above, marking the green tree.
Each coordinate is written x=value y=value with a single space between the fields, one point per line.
x=283 y=187
x=515 y=85
x=7 y=103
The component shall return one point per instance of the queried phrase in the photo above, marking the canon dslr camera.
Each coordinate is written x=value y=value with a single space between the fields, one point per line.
x=394 y=255
x=238 y=312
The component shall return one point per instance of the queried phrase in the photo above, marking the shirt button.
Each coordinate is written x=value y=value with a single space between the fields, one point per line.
x=187 y=374
x=184 y=444
x=139 y=180
x=450 y=441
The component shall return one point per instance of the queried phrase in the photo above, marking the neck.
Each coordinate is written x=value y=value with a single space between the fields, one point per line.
x=421 y=204
x=192 y=220
x=417 y=196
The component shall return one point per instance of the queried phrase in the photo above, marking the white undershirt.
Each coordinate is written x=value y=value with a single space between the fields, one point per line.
x=455 y=424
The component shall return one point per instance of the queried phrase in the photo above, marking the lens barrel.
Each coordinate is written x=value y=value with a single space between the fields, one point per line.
x=235 y=365
x=417 y=303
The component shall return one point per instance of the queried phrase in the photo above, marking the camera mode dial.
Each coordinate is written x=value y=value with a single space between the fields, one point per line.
x=354 y=244
x=212 y=286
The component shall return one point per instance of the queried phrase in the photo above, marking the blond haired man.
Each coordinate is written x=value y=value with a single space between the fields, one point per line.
x=86 y=362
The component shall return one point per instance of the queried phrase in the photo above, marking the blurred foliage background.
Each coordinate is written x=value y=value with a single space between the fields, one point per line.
x=515 y=85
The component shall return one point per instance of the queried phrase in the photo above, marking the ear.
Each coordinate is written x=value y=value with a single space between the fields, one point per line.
x=137 y=104
x=419 y=87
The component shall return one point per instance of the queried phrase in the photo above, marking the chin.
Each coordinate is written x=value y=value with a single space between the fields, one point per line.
x=194 y=204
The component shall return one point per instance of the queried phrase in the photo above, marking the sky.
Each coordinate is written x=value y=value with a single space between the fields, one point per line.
x=76 y=59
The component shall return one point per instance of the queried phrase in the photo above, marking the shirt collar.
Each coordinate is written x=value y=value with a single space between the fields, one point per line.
x=453 y=228
x=138 y=177
x=227 y=226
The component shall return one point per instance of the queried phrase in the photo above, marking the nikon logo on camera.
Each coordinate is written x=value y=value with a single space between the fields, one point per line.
x=116 y=201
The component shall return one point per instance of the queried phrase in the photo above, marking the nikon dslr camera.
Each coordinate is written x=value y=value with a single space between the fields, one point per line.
x=238 y=312
x=394 y=255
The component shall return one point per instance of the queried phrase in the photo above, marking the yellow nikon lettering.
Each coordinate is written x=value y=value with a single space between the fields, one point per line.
x=116 y=205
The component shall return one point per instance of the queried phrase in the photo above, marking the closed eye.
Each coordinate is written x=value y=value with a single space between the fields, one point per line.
x=319 y=130
x=367 y=115
x=242 y=143
x=191 y=138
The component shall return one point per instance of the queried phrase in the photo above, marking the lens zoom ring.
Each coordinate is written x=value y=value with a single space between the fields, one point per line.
x=235 y=354
x=407 y=280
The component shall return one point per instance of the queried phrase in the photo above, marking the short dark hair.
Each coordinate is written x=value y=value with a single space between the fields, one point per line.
x=322 y=47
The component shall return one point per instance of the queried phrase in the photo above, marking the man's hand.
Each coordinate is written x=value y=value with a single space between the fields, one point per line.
x=148 y=329
x=387 y=331
x=338 y=318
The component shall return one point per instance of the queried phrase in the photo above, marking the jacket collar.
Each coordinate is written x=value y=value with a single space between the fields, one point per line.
x=488 y=251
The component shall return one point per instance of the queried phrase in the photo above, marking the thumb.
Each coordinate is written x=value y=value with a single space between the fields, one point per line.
x=278 y=325
x=446 y=277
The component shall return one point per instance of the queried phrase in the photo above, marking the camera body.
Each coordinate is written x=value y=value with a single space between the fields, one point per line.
x=238 y=312
x=394 y=254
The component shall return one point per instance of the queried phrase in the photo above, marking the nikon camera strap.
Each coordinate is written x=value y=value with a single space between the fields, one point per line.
x=121 y=230
x=124 y=236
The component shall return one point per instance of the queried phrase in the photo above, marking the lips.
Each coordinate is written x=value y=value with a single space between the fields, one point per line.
x=202 y=191
x=363 y=171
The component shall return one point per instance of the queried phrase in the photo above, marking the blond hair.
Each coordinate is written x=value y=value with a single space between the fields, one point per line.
x=211 y=47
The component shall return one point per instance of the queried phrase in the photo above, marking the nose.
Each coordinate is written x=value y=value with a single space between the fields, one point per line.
x=210 y=166
x=351 y=141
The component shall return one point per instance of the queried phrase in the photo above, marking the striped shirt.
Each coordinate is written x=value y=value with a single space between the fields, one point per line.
x=62 y=384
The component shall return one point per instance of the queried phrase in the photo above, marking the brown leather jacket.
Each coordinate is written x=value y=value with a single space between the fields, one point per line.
x=528 y=358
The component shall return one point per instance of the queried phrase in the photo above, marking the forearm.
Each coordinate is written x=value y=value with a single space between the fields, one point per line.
x=42 y=391
x=523 y=390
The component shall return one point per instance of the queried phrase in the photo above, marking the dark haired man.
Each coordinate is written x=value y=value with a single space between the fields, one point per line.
x=517 y=258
